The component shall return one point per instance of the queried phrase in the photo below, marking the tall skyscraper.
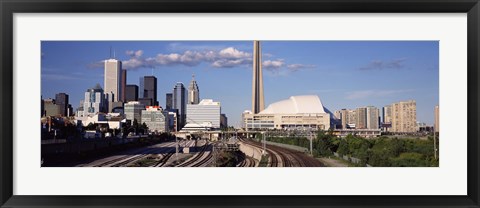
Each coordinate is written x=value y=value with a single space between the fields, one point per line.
x=94 y=101
x=131 y=93
x=404 y=116
x=112 y=80
x=351 y=118
x=387 y=114
x=372 y=117
x=437 y=119
x=169 y=101
x=123 y=84
x=180 y=102
x=344 y=116
x=387 y=118
x=258 y=103
x=193 y=92
x=61 y=99
x=223 y=121
x=361 y=118
x=149 y=89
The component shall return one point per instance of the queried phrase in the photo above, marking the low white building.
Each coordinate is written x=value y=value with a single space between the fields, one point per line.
x=297 y=112
x=114 y=120
x=205 y=112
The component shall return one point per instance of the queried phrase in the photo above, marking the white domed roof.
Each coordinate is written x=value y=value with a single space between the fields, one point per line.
x=296 y=105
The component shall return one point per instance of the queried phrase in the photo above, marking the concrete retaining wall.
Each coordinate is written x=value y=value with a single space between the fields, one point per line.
x=251 y=151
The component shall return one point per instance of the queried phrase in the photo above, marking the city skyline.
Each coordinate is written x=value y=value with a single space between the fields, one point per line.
x=344 y=74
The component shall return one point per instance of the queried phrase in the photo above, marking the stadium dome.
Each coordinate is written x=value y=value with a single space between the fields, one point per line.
x=296 y=105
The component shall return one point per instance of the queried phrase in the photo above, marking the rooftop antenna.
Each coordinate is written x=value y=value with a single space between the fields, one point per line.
x=110 y=52
x=114 y=57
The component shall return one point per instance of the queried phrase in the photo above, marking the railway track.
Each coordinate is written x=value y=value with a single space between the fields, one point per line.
x=204 y=161
x=274 y=161
x=247 y=162
x=197 y=157
x=164 y=160
x=289 y=158
x=137 y=155
x=125 y=159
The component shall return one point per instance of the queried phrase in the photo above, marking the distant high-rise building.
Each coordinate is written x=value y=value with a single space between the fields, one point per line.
x=94 y=101
x=123 y=84
x=69 y=110
x=351 y=118
x=348 y=118
x=404 y=116
x=258 y=102
x=131 y=93
x=61 y=99
x=437 y=119
x=155 y=119
x=338 y=115
x=172 y=119
x=149 y=88
x=141 y=86
x=179 y=102
x=112 y=80
x=169 y=101
x=387 y=118
x=193 y=92
x=223 y=121
x=133 y=111
x=387 y=114
x=361 y=118
x=146 y=101
x=372 y=117
x=51 y=109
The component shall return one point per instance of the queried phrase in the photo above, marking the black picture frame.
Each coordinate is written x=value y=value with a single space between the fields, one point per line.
x=10 y=7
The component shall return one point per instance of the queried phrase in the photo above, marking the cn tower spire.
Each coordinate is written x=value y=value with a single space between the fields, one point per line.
x=258 y=103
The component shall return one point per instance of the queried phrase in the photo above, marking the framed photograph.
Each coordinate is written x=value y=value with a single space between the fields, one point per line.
x=239 y=104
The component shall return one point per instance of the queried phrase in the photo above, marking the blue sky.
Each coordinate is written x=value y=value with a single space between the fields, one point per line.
x=344 y=74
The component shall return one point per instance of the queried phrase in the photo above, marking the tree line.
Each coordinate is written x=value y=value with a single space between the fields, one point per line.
x=378 y=152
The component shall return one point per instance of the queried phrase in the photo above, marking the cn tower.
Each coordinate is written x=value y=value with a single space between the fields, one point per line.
x=258 y=103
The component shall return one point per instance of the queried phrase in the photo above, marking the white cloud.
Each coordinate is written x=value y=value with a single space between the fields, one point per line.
x=225 y=58
x=275 y=64
x=232 y=53
x=134 y=53
x=228 y=57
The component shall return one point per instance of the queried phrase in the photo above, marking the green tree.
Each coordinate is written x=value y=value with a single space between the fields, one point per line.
x=409 y=159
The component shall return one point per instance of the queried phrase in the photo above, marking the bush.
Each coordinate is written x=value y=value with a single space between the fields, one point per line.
x=379 y=152
x=409 y=159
